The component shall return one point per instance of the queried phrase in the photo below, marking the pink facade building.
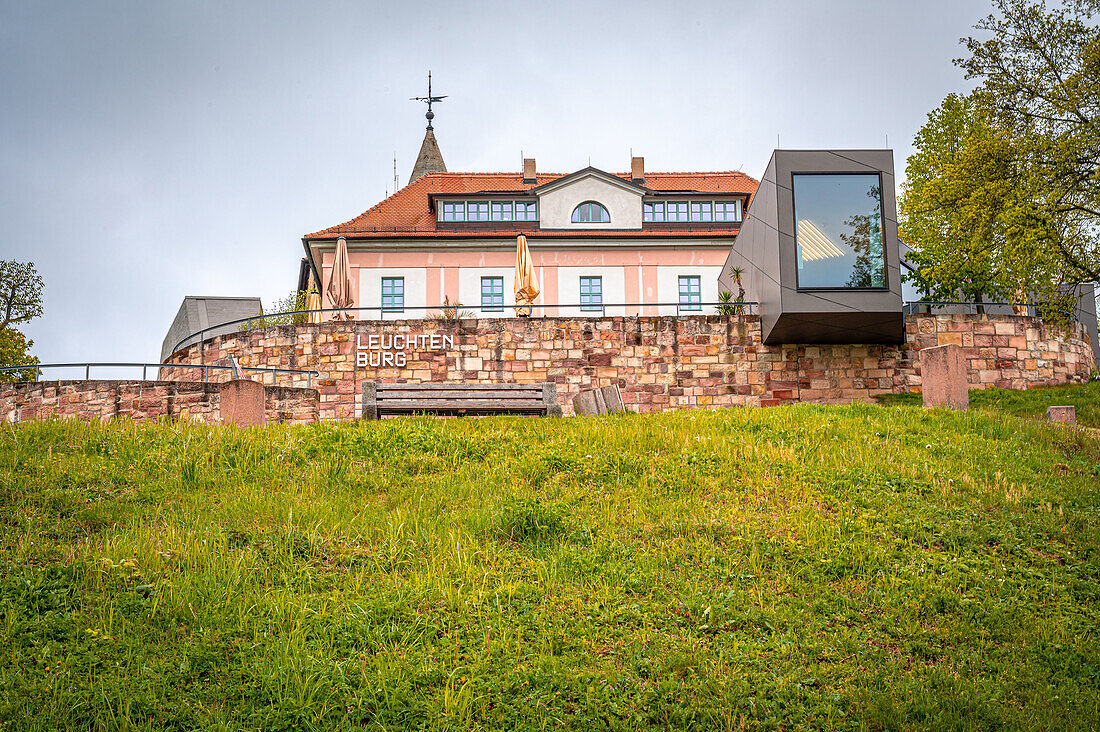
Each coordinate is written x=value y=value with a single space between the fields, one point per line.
x=636 y=243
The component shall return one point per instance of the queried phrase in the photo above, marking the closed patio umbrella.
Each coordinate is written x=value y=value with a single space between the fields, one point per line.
x=314 y=303
x=527 y=286
x=339 y=283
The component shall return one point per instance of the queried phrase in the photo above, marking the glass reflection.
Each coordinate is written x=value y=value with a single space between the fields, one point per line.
x=839 y=231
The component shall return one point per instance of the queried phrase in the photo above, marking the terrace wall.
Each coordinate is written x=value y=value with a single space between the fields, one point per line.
x=658 y=362
x=144 y=400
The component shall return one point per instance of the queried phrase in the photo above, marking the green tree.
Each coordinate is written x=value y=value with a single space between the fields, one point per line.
x=20 y=302
x=14 y=351
x=959 y=185
x=1002 y=197
x=1041 y=69
x=295 y=300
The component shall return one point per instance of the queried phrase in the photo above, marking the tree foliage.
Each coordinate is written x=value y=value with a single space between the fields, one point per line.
x=20 y=293
x=15 y=351
x=276 y=314
x=965 y=213
x=20 y=302
x=1002 y=197
x=1041 y=69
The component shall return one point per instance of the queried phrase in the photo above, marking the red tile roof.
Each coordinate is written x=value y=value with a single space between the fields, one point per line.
x=406 y=213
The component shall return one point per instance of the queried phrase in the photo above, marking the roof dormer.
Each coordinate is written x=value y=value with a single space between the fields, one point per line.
x=590 y=199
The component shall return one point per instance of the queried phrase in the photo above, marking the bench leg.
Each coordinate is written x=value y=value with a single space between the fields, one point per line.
x=550 y=399
x=370 y=400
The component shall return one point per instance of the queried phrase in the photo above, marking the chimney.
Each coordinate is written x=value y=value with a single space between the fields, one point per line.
x=637 y=170
x=528 y=170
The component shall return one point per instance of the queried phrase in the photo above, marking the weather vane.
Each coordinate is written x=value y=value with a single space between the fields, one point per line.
x=429 y=99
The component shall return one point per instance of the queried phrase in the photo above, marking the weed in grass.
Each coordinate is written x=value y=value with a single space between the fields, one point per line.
x=528 y=519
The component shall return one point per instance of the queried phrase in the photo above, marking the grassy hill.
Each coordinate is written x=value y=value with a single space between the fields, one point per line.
x=797 y=567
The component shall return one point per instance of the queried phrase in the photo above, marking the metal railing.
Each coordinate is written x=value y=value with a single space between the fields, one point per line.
x=926 y=307
x=912 y=306
x=87 y=366
x=437 y=312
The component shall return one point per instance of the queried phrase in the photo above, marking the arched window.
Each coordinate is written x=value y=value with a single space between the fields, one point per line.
x=591 y=212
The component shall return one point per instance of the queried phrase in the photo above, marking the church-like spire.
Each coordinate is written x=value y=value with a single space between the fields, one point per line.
x=430 y=160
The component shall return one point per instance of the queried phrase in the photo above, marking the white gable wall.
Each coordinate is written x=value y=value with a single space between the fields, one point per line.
x=556 y=205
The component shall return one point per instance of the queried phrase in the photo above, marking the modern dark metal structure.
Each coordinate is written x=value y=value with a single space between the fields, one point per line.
x=819 y=249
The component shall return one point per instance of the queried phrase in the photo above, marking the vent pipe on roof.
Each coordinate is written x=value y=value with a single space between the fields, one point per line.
x=637 y=170
x=528 y=170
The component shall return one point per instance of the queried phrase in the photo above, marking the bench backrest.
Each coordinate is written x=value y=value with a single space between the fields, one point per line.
x=460 y=398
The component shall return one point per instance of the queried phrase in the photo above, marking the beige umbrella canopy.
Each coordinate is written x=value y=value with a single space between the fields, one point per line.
x=314 y=303
x=339 y=283
x=527 y=286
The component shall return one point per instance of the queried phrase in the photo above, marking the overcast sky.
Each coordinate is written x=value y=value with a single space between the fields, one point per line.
x=152 y=150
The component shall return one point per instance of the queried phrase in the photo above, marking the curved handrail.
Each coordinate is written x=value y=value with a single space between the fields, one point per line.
x=87 y=365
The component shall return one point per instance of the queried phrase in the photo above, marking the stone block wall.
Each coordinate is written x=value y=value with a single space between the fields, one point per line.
x=658 y=362
x=1008 y=351
x=143 y=400
x=290 y=405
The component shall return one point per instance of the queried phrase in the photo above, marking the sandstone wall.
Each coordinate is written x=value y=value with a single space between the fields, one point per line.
x=658 y=362
x=143 y=400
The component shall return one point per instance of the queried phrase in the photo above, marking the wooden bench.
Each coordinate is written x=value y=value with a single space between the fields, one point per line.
x=460 y=399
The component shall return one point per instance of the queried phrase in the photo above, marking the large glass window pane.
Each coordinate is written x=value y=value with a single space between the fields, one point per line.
x=839 y=230
x=492 y=294
x=502 y=210
x=691 y=292
x=393 y=294
x=592 y=293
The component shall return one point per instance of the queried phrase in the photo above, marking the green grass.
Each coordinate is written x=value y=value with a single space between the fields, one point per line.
x=1030 y=403
x=797 y=567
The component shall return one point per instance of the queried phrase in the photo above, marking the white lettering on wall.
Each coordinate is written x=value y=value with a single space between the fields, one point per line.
x=379 y=350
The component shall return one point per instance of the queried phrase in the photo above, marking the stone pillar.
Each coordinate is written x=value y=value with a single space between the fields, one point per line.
x=943 y=377
x=242 y=403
